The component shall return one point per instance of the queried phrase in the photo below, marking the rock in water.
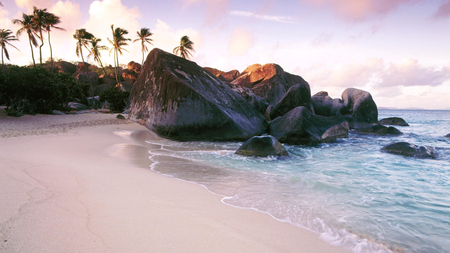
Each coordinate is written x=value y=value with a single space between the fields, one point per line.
x=297 y=95
x=357 y=106
x=379 y=130
x=300 y=126
x=262 y=146
x=411 y=150
x=178 y=99
x=393 y=121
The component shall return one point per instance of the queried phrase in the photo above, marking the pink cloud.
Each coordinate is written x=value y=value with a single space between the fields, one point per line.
x=443 y=11
x=215 y=9
x=358 y=10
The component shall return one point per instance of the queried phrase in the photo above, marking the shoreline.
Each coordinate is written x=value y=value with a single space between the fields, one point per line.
x=86 y=189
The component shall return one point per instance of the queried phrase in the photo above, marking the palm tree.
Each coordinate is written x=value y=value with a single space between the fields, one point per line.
x=118 y=42
x=144 y=36
x=94 y=51
x=39 y=19
x=26 y=24
x=83 y=37
x=51 y=20
x=185 y=45
x=5 y=39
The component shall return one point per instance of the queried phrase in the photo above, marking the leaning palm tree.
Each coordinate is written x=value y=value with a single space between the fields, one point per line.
x=83 y=37
x=185 y=45
x=144 y=36
x=118 y=41
x=5 y=39
x=26 y=24
x=39 y=22
x=51 y=20
x=94 y=50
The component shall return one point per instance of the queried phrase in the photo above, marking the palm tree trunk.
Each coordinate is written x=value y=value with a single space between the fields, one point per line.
x=104 y=71
x=32 y=53
x=51 y=54
x=40 y=47
x=117 y=65
x=3 y=65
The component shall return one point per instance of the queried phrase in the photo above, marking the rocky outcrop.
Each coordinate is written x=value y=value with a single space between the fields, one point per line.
x=258 y=103
x=262 y=146
x=66 y=67
x=88 y=77
x=357 y=106
x=268 y=81
x=178 y=99
x=410 y=150
x=447 y=136
x=393 y=121
x=379 y=130
x=297 y=95
x=300 y=126
x=132 y=72
x=222 y=75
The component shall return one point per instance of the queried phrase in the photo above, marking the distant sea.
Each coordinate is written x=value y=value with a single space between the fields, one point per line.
x=349 y=192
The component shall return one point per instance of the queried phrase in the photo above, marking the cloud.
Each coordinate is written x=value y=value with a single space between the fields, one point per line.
x=281 y=19
x=215 y=9
x=322 y=38
x=240 y=42
x=443 y=11
x=102 y=14
x=358 y=10
x=374 y=75
x=167 y=39
x=28 y=4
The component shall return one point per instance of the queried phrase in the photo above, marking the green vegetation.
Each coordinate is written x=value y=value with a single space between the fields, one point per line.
x=36 y=90
x=115 y=97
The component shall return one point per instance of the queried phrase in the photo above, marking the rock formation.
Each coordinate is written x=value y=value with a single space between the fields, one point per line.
x=357 y=106
x=222 y=75
x=262 y=146
x=268 y=81
x=297 y=95
x=411 y=150
x=132 y=72
x=300 y=126
x=178 y=99
x=393 y=121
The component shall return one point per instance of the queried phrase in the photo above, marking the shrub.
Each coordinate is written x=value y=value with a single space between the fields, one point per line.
x=115 y=97
x=36 y=90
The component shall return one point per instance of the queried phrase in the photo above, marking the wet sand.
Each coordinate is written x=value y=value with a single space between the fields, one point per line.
x=82 y=183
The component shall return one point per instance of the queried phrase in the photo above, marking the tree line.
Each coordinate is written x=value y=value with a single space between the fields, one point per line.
x=41 y=21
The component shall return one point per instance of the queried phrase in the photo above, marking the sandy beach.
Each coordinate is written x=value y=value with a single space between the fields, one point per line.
x=81 y=183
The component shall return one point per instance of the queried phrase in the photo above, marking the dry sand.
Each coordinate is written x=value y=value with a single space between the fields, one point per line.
x=69 y=184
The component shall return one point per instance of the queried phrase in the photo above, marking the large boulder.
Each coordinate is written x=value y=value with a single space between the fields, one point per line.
x=300 y=126
x=326 y=106
x=66 y=67
x=255 y=101
x=88 y=77
x=268 y=81
x=410 y=150
x=393 y=121
x=178 y=99
x=297 y=95
x=357 y=106
x=379 y=130
x=262 y=146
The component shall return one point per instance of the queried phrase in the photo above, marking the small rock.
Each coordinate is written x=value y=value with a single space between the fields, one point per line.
x=410 y=150
x=393 y=121
x=262 y=146
x=379 y=130
x=55 y=112
x=120 y=116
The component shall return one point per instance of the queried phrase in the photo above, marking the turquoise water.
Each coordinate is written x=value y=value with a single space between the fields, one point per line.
x=348 y=192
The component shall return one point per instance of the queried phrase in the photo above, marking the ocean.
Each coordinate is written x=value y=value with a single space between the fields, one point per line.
x=349 y=192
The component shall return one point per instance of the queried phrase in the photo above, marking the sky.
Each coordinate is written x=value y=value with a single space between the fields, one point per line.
x=398 y=50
